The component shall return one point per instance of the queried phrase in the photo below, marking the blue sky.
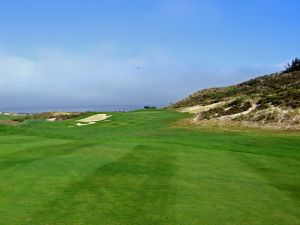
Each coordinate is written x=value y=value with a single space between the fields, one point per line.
x=116 y=52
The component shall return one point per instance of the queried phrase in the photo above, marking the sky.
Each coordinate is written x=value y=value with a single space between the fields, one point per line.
x=89 y=53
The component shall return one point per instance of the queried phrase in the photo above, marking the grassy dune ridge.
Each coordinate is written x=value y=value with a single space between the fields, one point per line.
x=139 y=168
x=268 y=101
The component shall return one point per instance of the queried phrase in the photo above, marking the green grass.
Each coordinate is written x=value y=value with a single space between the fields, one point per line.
x=138 y=168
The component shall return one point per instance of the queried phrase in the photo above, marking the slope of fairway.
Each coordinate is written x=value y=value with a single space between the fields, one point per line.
x=138 y=169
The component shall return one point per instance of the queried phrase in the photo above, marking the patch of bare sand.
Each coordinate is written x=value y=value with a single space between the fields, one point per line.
x=92 y=119
x=201 y=108
x=51 y=119
x=233 y=116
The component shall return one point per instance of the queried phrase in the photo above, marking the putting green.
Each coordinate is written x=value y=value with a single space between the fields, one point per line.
x=138 y=168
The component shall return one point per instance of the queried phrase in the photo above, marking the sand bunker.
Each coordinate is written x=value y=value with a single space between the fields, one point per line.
x=92 y=119
x=84 y=124
x=51 y=119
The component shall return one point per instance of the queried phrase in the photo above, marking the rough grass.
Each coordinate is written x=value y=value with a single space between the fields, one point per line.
x=139 y=168
x=59 y=116
x=272 y=100
x=280 y=89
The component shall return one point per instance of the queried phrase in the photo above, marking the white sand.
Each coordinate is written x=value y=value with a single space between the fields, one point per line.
x=233 y=116
x=92 y=119
x=51 y=119
x=200 y=108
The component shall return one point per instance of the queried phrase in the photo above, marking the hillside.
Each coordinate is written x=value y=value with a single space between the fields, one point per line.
x=271 y=100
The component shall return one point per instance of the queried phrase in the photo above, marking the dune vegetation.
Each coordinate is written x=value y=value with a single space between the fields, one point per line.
x=267 y=101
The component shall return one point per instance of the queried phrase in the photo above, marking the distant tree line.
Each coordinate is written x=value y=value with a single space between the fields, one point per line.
x=294 y=66
x=149 y=107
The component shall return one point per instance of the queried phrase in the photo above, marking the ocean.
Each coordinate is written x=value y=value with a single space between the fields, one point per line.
x=125 y=108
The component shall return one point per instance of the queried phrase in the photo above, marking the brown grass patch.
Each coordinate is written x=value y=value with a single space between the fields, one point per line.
x=9 y=122
x=233 y=126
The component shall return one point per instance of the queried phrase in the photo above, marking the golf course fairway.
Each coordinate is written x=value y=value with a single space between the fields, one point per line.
x=138 y=168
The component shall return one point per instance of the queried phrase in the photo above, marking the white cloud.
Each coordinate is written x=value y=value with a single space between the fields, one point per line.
x=12 y=67
x=56 y=78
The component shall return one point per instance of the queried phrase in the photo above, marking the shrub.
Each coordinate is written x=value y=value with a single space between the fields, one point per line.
x=294 y=66
x=149 y=107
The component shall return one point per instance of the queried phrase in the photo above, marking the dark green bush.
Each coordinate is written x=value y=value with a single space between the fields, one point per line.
x=294 y=66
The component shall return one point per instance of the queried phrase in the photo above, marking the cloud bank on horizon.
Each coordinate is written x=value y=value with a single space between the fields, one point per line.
x=139 y=53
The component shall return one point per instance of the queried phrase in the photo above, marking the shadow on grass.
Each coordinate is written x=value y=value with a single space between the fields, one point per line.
x=135 y=189
x=30 y=155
